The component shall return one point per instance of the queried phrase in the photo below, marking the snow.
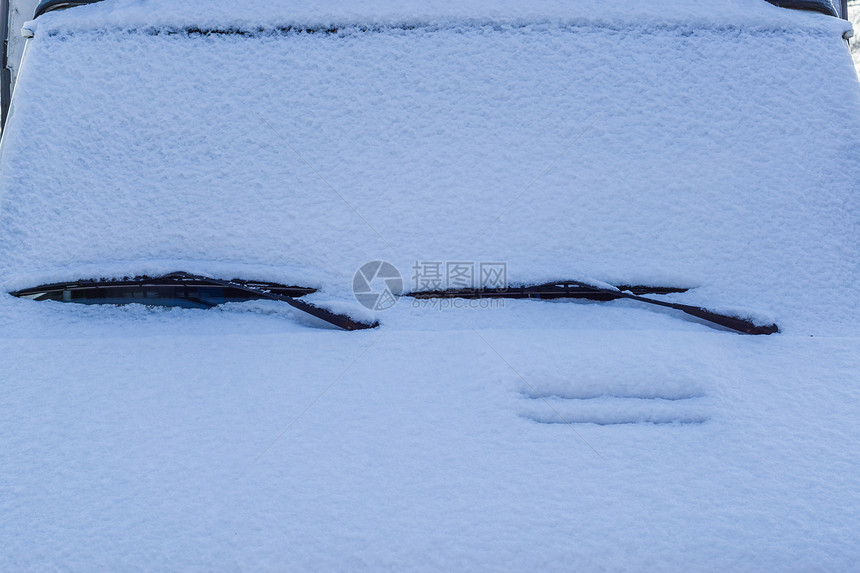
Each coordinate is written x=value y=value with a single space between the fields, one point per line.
x=854 y=15
x=642 y=155
x=253 y=14
x=197 y=440
x=666 y=143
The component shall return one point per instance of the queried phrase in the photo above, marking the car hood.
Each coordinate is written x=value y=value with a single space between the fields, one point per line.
x=198 y=439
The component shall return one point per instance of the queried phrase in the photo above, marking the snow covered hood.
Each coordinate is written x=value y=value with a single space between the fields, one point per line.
x=225 y=440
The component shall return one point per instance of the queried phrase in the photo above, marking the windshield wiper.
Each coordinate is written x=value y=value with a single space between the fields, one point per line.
x=575 y=289
x=185 y=290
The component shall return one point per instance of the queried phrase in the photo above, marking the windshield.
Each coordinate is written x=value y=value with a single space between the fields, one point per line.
x=441 y=140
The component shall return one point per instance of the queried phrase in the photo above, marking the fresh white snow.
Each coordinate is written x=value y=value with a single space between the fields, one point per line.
x=195 y=439
x=854 y=15
x=703 y=145
x=252 y=14
x=706 y=157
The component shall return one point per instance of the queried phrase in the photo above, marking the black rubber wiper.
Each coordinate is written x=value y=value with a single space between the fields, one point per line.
x=566 y=289
x=575 y=289
x=185 y=290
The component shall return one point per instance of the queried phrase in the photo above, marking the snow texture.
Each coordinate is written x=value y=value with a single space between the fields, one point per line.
x=189 y=439
x=703 y=145
x=854 y=15
x=712 y=157
x=252 y=14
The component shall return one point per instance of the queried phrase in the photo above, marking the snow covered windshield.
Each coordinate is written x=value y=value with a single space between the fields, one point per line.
x=635 y=153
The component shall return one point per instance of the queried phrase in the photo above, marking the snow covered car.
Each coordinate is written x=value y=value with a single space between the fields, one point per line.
x=490 y=286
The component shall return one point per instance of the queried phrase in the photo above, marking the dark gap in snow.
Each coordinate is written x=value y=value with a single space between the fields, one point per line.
x=656 y=397
x=350 y=29
x=158 y=291
x=597 y=421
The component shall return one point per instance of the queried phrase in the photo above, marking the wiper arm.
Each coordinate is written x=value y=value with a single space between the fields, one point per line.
x=340 y=320
x=575 y=289
x=733 y=322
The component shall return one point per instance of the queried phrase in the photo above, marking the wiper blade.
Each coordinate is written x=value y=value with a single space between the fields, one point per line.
x=185 y=290
x=575 y=289
x=91 y=290
x=567 y=289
